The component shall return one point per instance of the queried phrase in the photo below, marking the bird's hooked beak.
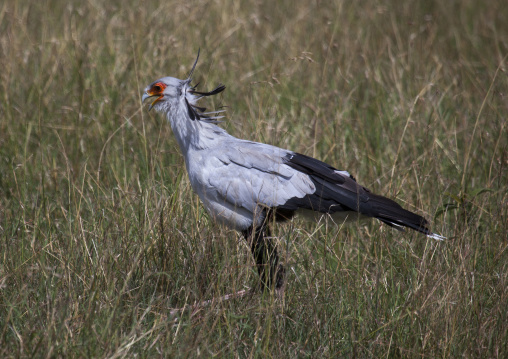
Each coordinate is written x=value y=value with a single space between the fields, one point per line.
x=150 y=94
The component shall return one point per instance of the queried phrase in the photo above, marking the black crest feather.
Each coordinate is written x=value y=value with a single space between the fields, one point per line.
x=193 y=67
x=215 y=91
x=198 y=113
x=192 y=112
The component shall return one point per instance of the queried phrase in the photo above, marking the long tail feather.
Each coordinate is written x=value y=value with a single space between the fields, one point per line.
x=391 y=213
x=337 y=191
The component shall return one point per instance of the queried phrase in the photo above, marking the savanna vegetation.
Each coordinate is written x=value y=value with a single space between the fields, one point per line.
x=102 y=238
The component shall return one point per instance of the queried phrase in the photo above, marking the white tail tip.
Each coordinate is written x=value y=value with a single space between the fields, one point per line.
x=436 y=236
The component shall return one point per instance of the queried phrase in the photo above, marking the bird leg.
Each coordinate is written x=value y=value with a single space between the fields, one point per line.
x=266 y=257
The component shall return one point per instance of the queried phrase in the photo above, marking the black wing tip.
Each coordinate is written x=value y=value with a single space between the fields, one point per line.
x=315 y=167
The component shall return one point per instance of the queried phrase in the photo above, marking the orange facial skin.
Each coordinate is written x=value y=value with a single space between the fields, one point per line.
x=156 y=90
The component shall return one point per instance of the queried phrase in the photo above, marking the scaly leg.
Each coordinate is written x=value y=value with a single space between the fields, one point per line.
x=265 y=254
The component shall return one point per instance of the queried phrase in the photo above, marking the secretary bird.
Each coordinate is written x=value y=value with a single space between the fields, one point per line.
x=246 y=184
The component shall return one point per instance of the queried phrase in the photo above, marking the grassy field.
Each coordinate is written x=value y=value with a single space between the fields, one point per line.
x=101 y=236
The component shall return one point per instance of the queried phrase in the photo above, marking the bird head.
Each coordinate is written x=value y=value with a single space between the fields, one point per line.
x=164 y=91
x=169 y=91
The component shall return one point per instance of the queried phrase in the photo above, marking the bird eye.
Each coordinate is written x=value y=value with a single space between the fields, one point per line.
x=158 y=87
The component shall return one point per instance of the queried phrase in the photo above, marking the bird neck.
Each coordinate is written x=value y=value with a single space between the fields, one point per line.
x=193 y=134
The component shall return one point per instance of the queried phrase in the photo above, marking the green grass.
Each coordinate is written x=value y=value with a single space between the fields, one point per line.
x=101 y=235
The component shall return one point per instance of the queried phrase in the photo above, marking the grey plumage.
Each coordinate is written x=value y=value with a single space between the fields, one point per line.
x=243 y=183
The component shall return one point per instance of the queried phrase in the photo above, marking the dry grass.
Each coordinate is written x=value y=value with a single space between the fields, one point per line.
x=101 y=236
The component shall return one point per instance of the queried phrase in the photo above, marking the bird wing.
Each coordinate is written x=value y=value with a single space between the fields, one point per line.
x=248 y=174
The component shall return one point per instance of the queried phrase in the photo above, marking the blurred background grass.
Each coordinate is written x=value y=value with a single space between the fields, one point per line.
x=101 y=235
